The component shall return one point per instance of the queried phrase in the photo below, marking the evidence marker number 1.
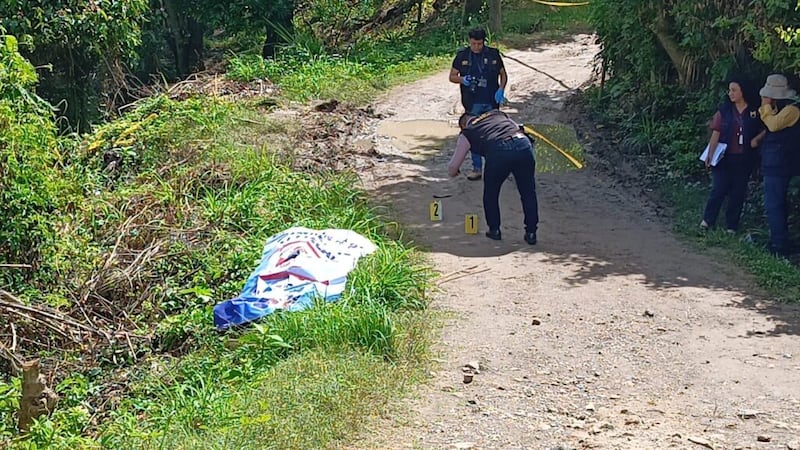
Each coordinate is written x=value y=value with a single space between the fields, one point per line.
x=471 y=224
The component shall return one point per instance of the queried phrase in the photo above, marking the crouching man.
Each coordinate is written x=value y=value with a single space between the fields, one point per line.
x=507 y=151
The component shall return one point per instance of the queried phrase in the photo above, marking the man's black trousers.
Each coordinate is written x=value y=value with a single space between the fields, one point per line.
x=513 y=156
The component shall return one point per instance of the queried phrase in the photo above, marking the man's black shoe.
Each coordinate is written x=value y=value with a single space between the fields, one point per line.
x=530 y=238
x=495 y=235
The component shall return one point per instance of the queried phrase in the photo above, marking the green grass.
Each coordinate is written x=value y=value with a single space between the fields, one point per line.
x=526 y=23
x=305 y=71
x=309 y=398
x=314 y=399
x=202 y=185
x=548 y=158
x=185 y=193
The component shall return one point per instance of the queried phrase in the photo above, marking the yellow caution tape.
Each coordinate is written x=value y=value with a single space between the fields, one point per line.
x=543 y=2
x=571 y=159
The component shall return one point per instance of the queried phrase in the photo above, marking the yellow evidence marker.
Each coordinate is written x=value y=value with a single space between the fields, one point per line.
x=436 y=211
x=471 y=224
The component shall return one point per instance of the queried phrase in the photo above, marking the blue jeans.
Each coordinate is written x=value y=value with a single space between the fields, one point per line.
x=775 y=206
x=477 y=109
x=512 y=156
x=730 y=178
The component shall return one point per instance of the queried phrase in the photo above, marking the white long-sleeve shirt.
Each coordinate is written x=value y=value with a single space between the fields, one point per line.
x=462 y=148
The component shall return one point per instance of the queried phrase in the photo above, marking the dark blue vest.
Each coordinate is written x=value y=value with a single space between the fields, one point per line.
x=780 y=150
x=751 y=124
x=483 y=65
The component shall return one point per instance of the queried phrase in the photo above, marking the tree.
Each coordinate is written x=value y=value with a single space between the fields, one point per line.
x=83 y=41
x=495 y=16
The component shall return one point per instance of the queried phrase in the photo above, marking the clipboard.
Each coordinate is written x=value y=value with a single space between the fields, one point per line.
x=718 y=153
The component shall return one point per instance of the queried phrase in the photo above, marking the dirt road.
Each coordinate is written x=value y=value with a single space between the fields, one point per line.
x=609 y=333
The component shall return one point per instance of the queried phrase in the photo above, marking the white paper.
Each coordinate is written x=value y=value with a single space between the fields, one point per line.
x=718 y=154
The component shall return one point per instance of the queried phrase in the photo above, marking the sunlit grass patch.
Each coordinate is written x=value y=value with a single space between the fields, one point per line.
x=531 y=22
x=558 y=148
x=311 y=400
x=305 y=71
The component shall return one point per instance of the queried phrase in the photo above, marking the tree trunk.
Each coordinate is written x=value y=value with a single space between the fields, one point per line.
x=395 y=14
x=680 y=59
x=495 y=16
x=276 y=31
x=37 y=399
x=176 y=38
x=471 y=9
x=193 y=54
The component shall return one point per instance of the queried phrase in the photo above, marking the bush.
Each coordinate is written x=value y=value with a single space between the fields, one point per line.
x=31 y=188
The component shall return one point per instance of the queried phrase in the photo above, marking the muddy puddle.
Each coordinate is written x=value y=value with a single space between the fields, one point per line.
x=557 y=146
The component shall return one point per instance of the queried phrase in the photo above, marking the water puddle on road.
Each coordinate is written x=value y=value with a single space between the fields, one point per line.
x=421 y=139
x=557 y=146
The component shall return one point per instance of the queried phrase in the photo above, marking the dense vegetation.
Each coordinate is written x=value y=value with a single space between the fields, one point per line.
x=129 y=207
x=101 y=53
x=664 y=66
x=132 y=206
x=118 y=236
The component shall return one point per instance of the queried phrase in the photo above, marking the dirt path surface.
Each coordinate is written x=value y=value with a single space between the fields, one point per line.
x=609 y=333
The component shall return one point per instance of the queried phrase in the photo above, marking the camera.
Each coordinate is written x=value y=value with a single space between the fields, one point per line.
x=473 y=85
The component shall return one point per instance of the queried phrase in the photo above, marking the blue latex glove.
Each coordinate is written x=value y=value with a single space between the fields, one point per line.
x=466 y=80
x=499 y=96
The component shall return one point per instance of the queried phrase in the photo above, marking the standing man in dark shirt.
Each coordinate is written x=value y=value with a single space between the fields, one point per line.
x=480 y=71
x=507 y=150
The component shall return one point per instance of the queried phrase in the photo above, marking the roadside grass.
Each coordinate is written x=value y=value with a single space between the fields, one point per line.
x=199 y=187
x=778 y=276
x=313 y=398
x=305 y=70
x=527 y=23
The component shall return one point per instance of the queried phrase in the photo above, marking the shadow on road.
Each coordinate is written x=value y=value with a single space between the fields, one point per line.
x=588 y=225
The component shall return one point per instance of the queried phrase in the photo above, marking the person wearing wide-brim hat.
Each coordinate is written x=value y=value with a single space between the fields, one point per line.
x=780 y=155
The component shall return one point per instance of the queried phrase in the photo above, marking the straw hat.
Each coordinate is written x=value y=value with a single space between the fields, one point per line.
x=777 y=87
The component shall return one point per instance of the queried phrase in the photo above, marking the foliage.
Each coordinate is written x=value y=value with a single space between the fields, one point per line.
x=78 y=39
x=30 y=185
x=678 y=92
x=305 y=70
x=664 y=66
x=237 y=15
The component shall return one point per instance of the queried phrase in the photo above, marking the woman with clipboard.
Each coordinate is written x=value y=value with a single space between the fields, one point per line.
x=737 y=130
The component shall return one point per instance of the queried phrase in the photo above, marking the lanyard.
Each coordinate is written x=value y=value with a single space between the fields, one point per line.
x=480 y=65
x=739 y=117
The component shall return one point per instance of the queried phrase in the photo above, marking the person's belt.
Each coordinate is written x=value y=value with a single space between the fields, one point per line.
x=515 y=136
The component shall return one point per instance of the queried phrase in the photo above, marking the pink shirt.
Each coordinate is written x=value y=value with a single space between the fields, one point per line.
x=462 y=148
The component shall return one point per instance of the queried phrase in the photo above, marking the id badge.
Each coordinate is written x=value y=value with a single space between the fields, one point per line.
x=741 y=140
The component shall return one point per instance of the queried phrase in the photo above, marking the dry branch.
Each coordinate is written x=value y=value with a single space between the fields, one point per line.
x=15 y=304
x=15 y=266
x=460 y=274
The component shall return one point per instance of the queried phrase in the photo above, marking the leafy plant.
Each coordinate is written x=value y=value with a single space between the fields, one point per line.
x=31 y=187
